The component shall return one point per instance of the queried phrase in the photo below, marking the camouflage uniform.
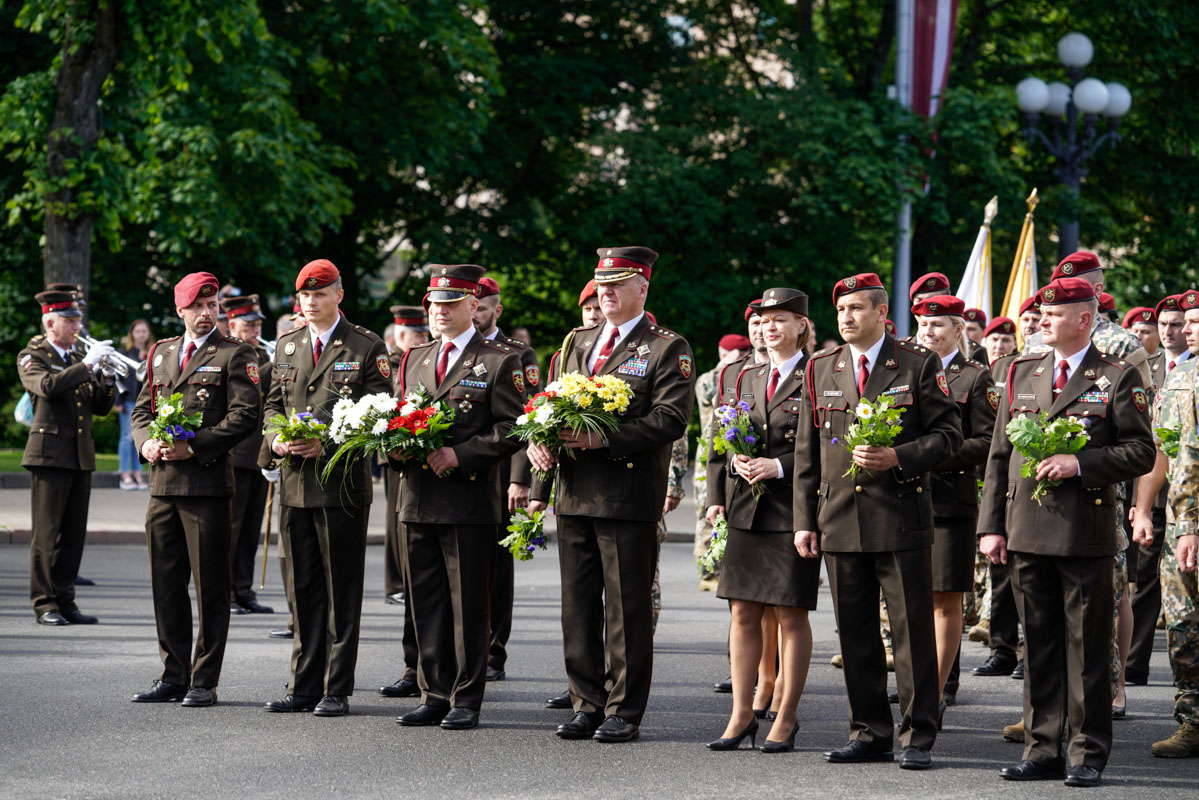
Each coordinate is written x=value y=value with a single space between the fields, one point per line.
x=1177 y=408
x=674 y=488
x=705 y=401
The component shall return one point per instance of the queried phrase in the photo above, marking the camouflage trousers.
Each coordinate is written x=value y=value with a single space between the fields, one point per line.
x=656 y=591
x=703 y=528
x=976 y=605
x=1119 y=588
x=1180 y=602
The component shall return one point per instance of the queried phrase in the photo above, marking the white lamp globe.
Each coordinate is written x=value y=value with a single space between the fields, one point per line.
x=1119 y=100
x=1075 y=50
x=1090 y=95
x=1059 y=97
x=1032 y=95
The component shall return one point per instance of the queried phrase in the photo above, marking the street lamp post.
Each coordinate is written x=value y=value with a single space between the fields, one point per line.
x=1073 y=144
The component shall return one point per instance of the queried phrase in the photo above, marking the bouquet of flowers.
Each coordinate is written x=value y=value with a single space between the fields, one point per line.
x=711 y=559
x=1036 y=438
x=172 y=423
x=378 y=423
x=735 y=434
x=300 y=426
x=588 y=405
x=526 y=534
x=877 y=426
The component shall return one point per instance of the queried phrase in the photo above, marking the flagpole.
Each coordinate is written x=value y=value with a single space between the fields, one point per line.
x=901 y=278
x=1021 y=255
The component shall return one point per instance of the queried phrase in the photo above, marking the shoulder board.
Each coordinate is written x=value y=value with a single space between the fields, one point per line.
x=663 y=332
x=494 y=345
x=178 y=338
x=421 y=346
x=1032 y=357
x=970 y=362
x=1115 y=361
x=912 y=347
x=826 y=352
x=582 y=328
x=292 y=333
x=233 y=340
x=366 y=333
x=37 y=338
x=515 y=344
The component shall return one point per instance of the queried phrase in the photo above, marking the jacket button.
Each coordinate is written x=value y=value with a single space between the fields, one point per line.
x=309 y=408
x=78 y=404
x=629 y=465
x=857 y=489
x=1098 y=501
x=1008 y=495
x=424 y=466
x=41 y=430
x=80 y=430
x=472 y=477
x=919 y=490
x=312 y=388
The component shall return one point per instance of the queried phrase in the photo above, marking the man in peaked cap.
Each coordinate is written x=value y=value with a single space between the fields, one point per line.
x=68 y=388
x=1061 y=549
x=191 y=487
x=610 y=497
x=451 y=503
x=876 y=529
x=322 y=521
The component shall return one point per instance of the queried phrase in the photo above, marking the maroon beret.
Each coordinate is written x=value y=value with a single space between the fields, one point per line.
x=856 y=283
x=733 y=341
x=889 y=326
x=941 y=305
x=488 y=287
x=1140 y=315
x=1029 y=305
x=1106 y=302
x=1062 y=291
x=197 y=284
x=1188 y=300
x=589 y=291
x=1000 y=325
x=754 y=309
x=1076 y=264
x=317 y=275
x=1169 y=303
x=932 y=282
x=975 y=315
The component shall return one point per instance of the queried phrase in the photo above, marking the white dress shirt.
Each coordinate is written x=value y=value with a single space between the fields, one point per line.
x=871 y=354
x=187 y=341
x=459 y=342
x=605 y=334
x=785 y=369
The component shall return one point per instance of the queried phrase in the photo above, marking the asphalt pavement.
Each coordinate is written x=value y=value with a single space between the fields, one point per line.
x=72 y=732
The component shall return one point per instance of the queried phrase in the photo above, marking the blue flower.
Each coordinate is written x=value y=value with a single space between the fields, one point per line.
x=531 y=548
x=744 y=406
x=835 y=440
x=730 y=435
x=750 y=438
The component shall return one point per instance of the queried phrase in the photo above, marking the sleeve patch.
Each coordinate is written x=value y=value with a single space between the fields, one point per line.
x=518 y=380
x=1139 y=399
x=252 y=371
x=533 y=375
x=993 y=397
x=384 y=366
x=685 y=365
x=942 y=382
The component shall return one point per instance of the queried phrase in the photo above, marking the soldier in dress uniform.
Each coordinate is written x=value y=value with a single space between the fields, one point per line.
x=976 y=324
x=411 y=330
x=191 y=487
x=933 y=284
x=999 y=339
x=1029 y=320
x=452 y=502
x=609 y=499
x=68 y=388
x=514 y=483
x=249 y=484
x=876 y=530
x=1061 y=549
x=1176 y=409
x=1169 y=330
x=323 y=521
x=1142 y=321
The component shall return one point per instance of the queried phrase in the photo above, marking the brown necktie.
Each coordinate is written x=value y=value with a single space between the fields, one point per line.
x=863 y=374
x=1060 y=382
x=187 y=355
x=606 y=351
x=443 y=363
x=317 y=350
x=774 y=384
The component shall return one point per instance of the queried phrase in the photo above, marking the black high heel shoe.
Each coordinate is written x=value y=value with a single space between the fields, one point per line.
x=761 y=713
x=785 y=746
x=750 y=730
x=941 y=714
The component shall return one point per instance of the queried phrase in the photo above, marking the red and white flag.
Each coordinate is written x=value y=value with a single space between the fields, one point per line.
x=933 y=23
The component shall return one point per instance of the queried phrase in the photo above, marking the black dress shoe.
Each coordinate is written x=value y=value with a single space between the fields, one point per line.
x=332 y=706
x=893 y=696
x=1033 y=771
x=858 y=752
x=424 y=714
x=616 y=729
x=237 y=610
x=1082 y=775
x=77 y=617
x=495 y=674
x=560 y=701
x=82 y=581
x=394 y=599
x=915 y=758
x=994 y=666
x=401 y=688
x=460 y=719
x=161 y=692
x=198 y=696
x=51 y=618
x=1135 y=677
x=281 y=633
x=581 y=727
x=255 y=607
x=1018 y=671
x=723 y=687
x=293 y=702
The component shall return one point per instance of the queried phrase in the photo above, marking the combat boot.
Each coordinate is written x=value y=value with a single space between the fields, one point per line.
x=981 y=633
x=1014 y=733
x=1183 y=744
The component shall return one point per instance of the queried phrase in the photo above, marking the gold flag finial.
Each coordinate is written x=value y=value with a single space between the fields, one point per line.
x=1032 y=201
x=991 y=210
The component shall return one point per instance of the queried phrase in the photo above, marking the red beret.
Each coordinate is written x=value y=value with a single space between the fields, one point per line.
x=652 y=319
x=856 y=283
x=1066 y=290
x=940 y=305
x=932 y=282
x=197 y=284
x=1076 y=264
x=1188 y=300
x=975 y=315
x=1140 y=315
x=889 y=326
x=317 y=275
x=588 y=292
x=1106 y=302
x=488 y=287
x=754 y=309
x=1169 y=303
x=1029 y=305
x=733 y=341
x=1000 y=325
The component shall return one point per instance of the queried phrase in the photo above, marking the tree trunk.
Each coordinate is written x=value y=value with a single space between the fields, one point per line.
x=86 y=63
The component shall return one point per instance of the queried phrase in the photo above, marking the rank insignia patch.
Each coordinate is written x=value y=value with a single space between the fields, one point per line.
x=383 y=365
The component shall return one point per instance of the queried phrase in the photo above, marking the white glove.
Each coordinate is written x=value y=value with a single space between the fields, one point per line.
x=271 y=475
x=98 y=351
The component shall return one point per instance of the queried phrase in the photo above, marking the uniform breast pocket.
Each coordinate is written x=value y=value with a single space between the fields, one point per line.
x=204 y=388
x=1086 y=411
x=900 y=399
x=41 y=438
x=468 y=404
x=833 y=416
x=792 y=410
x=346 y=382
